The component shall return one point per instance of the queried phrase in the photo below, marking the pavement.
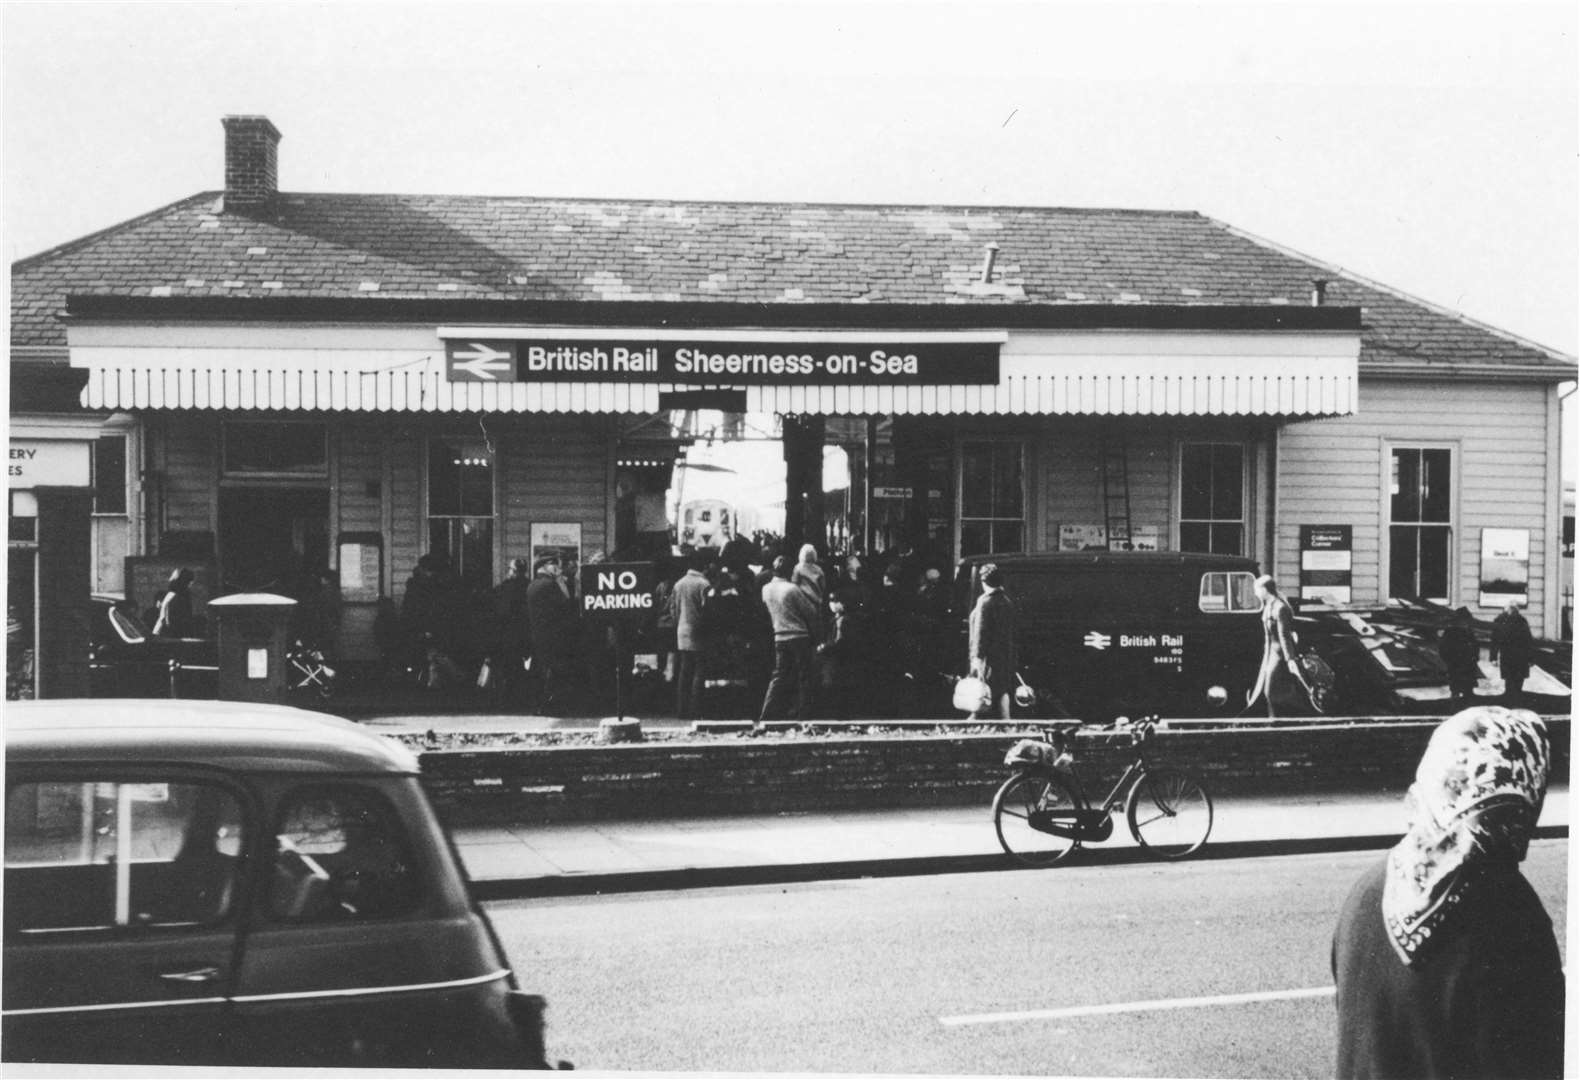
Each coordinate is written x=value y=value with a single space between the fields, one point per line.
x=584 y=858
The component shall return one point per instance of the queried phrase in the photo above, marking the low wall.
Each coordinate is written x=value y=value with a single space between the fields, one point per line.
x=770 y=775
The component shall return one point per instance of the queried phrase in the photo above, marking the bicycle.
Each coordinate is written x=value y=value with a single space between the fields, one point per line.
x=1041 y=814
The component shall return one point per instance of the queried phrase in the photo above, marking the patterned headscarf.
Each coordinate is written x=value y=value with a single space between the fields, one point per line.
x=1477 y=794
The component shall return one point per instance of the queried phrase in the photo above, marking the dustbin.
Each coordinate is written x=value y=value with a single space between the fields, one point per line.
x=254 y=630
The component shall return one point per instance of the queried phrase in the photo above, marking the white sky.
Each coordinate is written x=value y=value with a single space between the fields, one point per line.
x=1431 y=147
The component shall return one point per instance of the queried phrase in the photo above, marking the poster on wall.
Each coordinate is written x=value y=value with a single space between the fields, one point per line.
x=1146 y=538
x=1326 y=563
x=563 y=540
x=1082 y=537
x=1505 y=566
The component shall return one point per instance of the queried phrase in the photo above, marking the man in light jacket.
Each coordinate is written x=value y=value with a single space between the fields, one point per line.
x=795 y=620
x=686 y=601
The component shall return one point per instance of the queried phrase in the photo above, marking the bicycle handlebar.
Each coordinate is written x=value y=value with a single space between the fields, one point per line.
x=1141 y=731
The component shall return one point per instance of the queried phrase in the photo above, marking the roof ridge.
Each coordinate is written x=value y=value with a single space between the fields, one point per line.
x=659 y=201
x=109 y=230
x=1391 y=290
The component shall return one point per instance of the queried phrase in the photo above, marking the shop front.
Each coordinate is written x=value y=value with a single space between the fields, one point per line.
x=50 y=473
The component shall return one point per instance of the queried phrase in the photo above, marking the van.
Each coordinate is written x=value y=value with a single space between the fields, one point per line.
x=1101 y=634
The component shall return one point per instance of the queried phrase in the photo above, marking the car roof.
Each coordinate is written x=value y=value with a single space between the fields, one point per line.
x=233 y=735
x=1107 y=560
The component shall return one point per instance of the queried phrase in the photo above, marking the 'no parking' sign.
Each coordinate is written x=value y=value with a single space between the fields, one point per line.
x=622 y=591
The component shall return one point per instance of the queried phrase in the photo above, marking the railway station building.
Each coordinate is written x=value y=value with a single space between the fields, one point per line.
x=255 y=382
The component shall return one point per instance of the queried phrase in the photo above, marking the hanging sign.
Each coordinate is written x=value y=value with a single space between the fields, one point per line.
x=724 y=363
x=1326 y=563
x=1505 y=566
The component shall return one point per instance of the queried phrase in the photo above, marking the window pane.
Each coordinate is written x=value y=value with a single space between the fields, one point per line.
x=1434 y=563
x=1435 y=502
x=1406 y=488
x=1227 y=482
x=341 y=856
x=109 y=474
x=1195 y=483
x=262 y=448
x=1007 y=493
x=975 y=538
x=467 y=544
x=1007 y=536
x=1195 y=536
x=976 y=480
x=1226 y=538
x=1403 y=560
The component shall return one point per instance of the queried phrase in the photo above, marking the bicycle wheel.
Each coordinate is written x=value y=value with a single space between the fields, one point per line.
x=1169 y=812
x=1021 y=795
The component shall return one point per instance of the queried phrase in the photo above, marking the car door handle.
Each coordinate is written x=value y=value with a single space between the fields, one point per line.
x=195 y=975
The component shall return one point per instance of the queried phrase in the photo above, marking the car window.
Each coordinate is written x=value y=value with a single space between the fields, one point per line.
x=128 y=626
x=1228 y=592
x=92 y=854
x=340 y=854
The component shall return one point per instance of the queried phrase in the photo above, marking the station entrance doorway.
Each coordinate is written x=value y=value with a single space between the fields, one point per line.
x=847 y=484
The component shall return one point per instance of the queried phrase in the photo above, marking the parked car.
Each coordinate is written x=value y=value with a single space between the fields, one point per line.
x=227 y=884
x=125 y=659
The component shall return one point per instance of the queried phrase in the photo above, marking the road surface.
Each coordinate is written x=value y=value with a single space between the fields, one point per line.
x=1206 y=969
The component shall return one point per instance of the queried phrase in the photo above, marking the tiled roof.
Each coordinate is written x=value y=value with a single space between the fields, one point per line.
x=514 y=249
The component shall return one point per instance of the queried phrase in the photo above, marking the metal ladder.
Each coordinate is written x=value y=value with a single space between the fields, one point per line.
x=1116 y=491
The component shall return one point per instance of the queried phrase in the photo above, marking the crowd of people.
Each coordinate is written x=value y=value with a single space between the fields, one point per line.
x=755 y=633
x=742 y=632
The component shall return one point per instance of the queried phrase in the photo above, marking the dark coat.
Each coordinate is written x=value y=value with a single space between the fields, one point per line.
x=993 y=639
x=551 y=618
x=1485 y=1000
x=1462 y=656
x=176 y=618
x=511 y=603
x=1513 y=647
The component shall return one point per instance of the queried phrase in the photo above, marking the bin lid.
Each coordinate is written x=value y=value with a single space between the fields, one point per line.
x=252 y=599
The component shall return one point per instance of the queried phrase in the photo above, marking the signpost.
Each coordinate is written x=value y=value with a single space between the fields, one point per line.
x=620 y=595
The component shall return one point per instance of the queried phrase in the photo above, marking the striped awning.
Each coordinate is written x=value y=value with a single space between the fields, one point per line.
x=1316 y=383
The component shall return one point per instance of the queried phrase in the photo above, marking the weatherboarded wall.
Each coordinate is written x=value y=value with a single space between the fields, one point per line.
x=1337 y=472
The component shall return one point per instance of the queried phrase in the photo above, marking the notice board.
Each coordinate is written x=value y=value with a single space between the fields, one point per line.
x=1326 y=563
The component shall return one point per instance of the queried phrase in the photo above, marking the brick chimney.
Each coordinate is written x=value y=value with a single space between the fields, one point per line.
x=251 y=174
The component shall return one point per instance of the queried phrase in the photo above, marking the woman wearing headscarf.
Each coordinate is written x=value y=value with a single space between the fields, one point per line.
x=1444 y=959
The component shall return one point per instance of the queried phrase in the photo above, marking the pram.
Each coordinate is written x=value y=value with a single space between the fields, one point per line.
x=307 y=670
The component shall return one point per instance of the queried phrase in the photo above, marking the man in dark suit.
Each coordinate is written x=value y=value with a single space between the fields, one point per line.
x=993 y=642
x=551 y=622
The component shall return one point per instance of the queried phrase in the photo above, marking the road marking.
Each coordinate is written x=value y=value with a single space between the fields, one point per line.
x=1137 y=1006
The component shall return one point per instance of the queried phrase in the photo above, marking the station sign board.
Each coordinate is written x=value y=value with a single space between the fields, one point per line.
x=1326 y=563
x=619 y=591
x=704 y=362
